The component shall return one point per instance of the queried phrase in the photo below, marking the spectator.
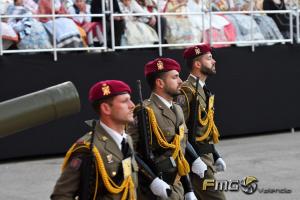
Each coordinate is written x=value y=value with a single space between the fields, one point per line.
x=31 y=32
x=265 y=23
x=9 y=36
x=151 y=7
x=119 y=23
x=281 y=19
x=67 y=33
x=136 y=31
x=221 y=29
x=245 y=26
x=31 y=5
x=80 y=7
x=3 y=5
x=179 y=28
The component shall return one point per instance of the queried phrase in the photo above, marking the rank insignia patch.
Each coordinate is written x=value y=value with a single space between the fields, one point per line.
x=75 y=163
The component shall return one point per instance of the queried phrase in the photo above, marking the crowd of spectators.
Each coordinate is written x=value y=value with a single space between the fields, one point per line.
x=25 y=32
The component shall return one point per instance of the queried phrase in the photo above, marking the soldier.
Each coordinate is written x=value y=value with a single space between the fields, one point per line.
x=167 y=135
x=114 y=169
x=203 y=132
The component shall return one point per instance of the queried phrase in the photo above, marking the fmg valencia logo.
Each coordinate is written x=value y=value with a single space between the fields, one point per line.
x=249 y=185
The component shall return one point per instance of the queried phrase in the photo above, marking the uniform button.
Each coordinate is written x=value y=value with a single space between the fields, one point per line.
x=114 y=173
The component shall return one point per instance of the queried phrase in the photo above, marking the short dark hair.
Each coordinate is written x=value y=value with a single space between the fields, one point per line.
x=190 y=62
x=96 y=104
x=151 y=78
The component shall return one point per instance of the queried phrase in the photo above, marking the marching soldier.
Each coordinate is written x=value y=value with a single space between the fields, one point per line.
x=197 y=103
x=165 y=135
x=112 y=174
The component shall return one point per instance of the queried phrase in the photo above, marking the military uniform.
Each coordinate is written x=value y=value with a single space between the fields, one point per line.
x=203 y=147
x=165 y=135
x=109 y=170
x=67 y=186
x=169 y=123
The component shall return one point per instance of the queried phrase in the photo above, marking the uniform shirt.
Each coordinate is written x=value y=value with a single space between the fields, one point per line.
x=117 y=137
x=200 y=82
x=166 y=102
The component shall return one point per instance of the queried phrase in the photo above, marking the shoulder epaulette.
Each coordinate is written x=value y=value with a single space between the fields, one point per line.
x=191 y=89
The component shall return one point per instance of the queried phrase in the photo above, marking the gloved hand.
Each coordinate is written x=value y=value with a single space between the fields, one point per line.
x=220 y=165
x=190 y=196
x=159 y=188
x=199 y=167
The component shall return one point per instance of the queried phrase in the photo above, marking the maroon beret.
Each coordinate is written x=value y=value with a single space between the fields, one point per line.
x=108 y=88
x=161 y=64
x=194 y=51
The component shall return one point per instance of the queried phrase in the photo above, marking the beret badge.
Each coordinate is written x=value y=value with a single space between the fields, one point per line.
x=105 y=89
x=197 y=51
x=160 y=65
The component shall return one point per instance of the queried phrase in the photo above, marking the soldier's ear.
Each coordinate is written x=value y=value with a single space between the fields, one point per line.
x=105 y=108
x=159 y=83
x=197 y=64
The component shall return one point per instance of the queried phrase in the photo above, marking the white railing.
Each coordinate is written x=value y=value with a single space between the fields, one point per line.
x=159 y=45
x=55 y=49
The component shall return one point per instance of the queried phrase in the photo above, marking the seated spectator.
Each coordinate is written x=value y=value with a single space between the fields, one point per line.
x=151 y=7
x=265 y=23
x=32 y=34
x=179 y=28
x=221 y=29
x=136 y=32
x=9 y=36
x=281 y=19
x=31 y=5
x=245 y=26
x=80 y=7
x=3 y=5
x=67 y=33
x=119 y=22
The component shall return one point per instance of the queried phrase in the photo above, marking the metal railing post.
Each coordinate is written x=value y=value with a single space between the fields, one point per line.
x=112 y=25
x=251 y=25
x=54 y=31
x=159 y=35
x=104 y=25
x=1 y=42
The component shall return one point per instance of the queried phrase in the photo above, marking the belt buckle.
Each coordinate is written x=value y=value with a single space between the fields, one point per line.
x=177 y=179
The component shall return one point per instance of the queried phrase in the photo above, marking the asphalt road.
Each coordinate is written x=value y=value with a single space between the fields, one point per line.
x=273 y=159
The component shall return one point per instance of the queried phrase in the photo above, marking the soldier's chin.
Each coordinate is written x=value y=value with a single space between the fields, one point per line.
x=176 y=94
x=130 y=119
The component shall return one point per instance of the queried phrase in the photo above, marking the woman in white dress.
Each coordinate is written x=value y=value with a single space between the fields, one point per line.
x=222 y=30
x=179 y=27
x=136 y=31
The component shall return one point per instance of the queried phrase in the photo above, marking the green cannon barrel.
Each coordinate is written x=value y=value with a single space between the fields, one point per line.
x=38 y=108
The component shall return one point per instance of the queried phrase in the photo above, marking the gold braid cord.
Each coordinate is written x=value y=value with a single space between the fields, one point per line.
x=211 y=126
x=183 y=165
x=207 y=121
x=126 y=186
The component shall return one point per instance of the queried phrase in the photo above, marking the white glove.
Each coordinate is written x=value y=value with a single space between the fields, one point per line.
x=220 y=165
x=190 y=196
x=159 y=188
x=199 y=167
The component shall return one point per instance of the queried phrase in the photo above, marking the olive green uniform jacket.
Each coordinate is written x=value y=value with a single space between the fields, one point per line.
x=168 y=121
x=67 y=186
x=185 y=100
